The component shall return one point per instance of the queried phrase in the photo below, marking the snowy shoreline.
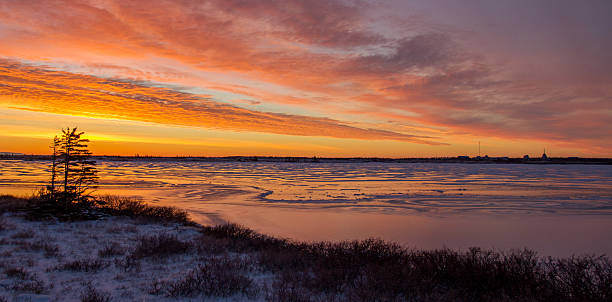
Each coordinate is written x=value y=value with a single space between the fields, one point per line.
x=152 y=257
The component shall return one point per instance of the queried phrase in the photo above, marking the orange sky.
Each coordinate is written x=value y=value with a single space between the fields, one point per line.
x=311 y=78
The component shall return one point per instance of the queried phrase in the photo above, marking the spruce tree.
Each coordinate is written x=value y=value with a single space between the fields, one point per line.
x=80 y=175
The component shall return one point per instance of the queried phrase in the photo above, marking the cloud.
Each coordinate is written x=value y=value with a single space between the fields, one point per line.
x=38 y=89
x=431 y=50
x=334 y=58
x=325 y=23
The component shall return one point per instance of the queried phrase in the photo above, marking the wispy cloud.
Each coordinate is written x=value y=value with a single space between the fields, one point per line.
x=36 y=89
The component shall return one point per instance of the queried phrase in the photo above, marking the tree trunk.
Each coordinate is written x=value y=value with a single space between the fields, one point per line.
x=66 y=168
x=53 y=167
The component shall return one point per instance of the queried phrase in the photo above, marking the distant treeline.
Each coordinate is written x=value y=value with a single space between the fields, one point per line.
x=458 y=159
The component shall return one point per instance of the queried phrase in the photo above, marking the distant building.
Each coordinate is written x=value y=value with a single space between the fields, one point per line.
x=463 y=157
x=525 y=156
x=544 y=156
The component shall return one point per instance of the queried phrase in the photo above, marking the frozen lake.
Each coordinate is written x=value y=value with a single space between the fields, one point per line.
x=554 y=209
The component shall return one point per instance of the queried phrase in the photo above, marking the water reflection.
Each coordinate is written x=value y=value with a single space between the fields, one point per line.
x=555 y=209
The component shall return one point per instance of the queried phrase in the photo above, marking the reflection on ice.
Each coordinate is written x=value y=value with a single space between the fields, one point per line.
x=435 y=188
x=352 y=200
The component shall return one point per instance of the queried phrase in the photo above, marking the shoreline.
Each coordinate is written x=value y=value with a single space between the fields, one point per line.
x=140 y=253
x=270 y=159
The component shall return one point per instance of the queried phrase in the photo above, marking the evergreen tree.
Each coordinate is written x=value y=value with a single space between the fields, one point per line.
x=80 y=175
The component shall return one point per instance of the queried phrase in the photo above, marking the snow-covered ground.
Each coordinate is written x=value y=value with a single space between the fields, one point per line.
x=55 y=261
x=126 y=259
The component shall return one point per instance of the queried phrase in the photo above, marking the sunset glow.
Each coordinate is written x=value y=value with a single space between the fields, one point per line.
x=308 y=78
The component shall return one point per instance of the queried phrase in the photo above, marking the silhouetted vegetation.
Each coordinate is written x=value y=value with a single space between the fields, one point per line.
x=9 y=203
x=136 y=208
x=219 y=277
x=159 y=246
x=374 y=270
x=75 y=167
x=72 y=180
x=38 y=207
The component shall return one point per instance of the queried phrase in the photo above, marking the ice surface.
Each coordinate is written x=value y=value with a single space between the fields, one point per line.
x=420 y=204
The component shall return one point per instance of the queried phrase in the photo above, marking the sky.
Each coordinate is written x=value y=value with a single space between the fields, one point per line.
x=334 y=78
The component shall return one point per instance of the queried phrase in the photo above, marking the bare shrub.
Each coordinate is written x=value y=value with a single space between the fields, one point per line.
x=83 y=265
x=374 y=270
x=110 y=250
x=3 y=224
x=288 y=288
x=242 y=239
x=585 y=278
x=25 y=281
x=32 y=285
x=122 y=229
x=16 y=272
x=128 y=264
x=25 y=234
x=49 y=249
x=159 y=246
x=10 y=203
x=220 y=277
x=91 y=294
x=133 y=207
x=207 y=245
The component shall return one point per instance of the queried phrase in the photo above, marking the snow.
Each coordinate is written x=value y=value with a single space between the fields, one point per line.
x=28 y=246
